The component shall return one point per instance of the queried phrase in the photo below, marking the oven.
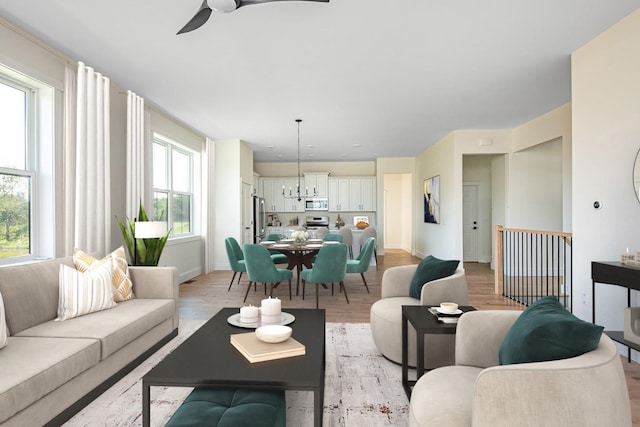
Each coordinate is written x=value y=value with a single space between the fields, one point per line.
x=315 y=222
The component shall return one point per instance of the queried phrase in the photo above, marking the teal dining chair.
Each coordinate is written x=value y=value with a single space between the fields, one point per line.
x=330 y=266
x=236 y=259
x=274 y=237
x=260 y=269
x=332 y=237
x=361 y=263
x=277 y=257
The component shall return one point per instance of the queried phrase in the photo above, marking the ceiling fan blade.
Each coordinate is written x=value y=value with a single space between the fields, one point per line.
x=198 y=19
x=250 y=2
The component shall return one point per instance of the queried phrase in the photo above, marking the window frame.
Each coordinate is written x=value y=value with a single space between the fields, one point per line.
x=171 y=146
x=30 y=170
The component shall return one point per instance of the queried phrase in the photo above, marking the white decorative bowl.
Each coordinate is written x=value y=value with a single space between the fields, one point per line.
x=273 y=333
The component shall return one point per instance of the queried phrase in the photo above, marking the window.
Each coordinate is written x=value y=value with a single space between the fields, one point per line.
x=17 y=170
x=173 y=185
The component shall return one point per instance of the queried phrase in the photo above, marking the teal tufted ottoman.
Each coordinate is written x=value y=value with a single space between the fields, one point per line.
x=231 y=408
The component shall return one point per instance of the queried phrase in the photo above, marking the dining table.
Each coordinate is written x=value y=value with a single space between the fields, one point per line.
x=299 y=254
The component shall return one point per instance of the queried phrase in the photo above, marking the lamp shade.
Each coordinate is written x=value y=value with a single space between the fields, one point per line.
x=150 y=229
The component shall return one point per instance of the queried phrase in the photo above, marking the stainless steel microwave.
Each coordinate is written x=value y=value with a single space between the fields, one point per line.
x=316 y=204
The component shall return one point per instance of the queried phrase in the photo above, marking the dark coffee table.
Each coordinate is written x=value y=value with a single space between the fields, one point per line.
x=207 y=358
x=424 y=323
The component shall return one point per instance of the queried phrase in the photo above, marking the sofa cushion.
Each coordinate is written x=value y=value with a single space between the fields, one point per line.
x=30 y=293
x=122 y=286
x=548 y=331
x=39 y=366
x=3 y=326
x=431 y=268
x=115 y=328
x=83 y=293
x=231 y=408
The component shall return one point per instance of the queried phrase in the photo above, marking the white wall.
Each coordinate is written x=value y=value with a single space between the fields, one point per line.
x=228 y=198
x=535 y=179
x=555 y=124
x=498 y=198
x=443 y=240
x=606 y=138
x=186 y=254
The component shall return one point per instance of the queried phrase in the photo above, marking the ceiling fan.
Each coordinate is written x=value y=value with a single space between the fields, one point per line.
x=224 y=6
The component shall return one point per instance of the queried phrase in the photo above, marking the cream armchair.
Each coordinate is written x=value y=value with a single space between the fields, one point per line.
x=587 y=390
x=386 y=315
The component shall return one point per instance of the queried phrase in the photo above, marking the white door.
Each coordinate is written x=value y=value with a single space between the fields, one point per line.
x=247 y=214
x=470 y=223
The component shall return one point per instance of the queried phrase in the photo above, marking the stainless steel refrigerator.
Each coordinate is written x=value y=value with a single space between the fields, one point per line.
x=259 y=219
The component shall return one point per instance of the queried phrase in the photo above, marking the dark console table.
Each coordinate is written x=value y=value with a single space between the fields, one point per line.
x=615 y=273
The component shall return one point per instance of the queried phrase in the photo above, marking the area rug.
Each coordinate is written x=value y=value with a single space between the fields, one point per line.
x=362 y=389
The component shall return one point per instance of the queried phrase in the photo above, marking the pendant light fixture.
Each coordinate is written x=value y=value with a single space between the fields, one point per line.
x=298 y=193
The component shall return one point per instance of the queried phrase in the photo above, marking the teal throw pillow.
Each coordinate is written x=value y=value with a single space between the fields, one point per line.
x=430 y=268
x=548 y=331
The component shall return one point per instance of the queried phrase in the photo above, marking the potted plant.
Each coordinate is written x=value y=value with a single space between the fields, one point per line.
x=147 y=250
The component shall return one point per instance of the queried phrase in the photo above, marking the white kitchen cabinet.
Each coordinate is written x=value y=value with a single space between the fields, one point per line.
x=319 y=181
x=362 y=194
x=338 y=194
x=272 y=193
x=290 y=188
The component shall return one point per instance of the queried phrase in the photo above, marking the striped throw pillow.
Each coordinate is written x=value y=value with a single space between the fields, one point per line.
x=123 y=288
x=4 y=336
x=84 y=293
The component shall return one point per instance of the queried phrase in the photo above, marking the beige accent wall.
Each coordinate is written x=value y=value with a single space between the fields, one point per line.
x=554 y=125
x=447 y=155
x=606 y=139
x=439 y=240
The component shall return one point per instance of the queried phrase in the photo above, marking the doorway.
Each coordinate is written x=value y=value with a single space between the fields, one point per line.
x=398 y=208
x=470 y=222
x=482 y=203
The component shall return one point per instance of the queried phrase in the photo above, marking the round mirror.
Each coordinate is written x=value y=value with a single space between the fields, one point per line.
x=636 y=176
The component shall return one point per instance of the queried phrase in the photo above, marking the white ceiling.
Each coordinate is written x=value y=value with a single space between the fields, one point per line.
x=391 y=76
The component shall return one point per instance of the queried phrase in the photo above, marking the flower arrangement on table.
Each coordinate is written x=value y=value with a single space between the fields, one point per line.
x=299 y=236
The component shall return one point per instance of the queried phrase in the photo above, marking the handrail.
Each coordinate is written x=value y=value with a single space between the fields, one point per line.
x=530 y=264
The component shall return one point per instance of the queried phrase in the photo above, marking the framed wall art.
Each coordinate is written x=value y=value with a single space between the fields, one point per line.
x=431 y=193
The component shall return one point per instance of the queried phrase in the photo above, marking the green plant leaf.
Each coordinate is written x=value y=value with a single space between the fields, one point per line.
x=147 y=251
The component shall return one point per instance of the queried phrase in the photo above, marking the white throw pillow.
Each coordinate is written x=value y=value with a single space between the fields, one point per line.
x=4 y=339
x=83 y=293
x=123 y=288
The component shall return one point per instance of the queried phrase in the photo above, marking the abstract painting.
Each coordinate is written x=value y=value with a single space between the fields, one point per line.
x=431 y=194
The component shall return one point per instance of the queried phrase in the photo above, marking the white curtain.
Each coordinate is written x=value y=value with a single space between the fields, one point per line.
x=87 y=161
x=135 y=154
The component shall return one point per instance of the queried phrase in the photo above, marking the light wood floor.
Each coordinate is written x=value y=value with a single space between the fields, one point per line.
x=203 y=296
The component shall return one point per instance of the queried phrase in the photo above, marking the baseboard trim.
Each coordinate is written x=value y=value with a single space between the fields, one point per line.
x=76 y=407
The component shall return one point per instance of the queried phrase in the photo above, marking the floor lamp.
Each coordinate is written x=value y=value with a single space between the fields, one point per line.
x=147 y=230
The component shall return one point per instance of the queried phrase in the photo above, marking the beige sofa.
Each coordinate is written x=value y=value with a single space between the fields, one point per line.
x=582 y=391
x=51 y=369
x=386 y=315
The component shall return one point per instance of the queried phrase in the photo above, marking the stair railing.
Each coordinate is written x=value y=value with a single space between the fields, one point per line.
x=532 y=264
